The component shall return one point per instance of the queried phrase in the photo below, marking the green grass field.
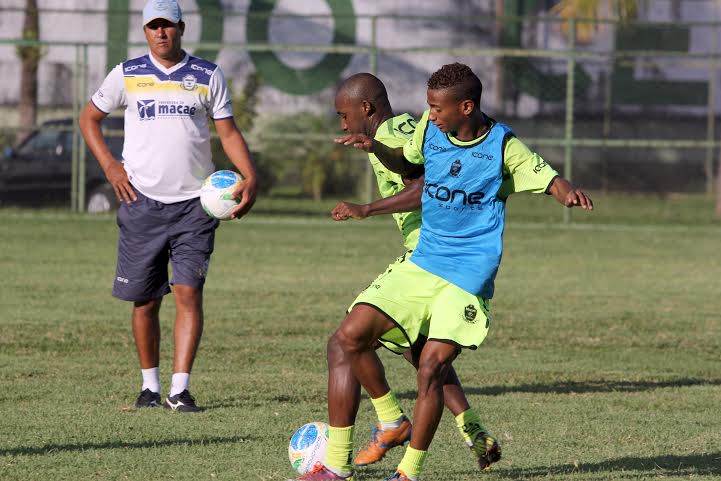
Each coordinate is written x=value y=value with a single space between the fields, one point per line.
x=603 y=360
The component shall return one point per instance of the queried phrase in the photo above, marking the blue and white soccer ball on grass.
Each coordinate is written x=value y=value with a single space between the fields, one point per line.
x=307 y=446
x=216 y=194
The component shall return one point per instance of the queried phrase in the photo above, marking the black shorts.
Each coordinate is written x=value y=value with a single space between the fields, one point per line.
x=151 y=235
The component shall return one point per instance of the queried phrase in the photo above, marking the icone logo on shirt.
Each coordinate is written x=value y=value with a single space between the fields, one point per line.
x=135 y=67
x=445 y=194
x=202 y=69
x=481 y=155
x=435 y=147
x=151 y=109
x=539 y=167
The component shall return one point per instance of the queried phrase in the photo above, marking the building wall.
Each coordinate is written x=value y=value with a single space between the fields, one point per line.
x=304 y=81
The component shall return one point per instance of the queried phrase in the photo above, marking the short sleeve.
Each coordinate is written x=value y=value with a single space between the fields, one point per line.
x=111 y=94
x=413 y=149
x=524 y=170
x=221 y=106
x=396 y=131
x=392 y=142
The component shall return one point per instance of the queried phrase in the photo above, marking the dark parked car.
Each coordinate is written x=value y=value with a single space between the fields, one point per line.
x=39 y=170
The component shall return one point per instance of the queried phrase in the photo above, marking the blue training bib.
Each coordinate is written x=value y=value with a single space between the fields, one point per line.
x=461 y=237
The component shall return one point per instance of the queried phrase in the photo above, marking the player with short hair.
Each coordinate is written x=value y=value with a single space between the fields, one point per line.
x=362 y=103
x=168 y=96
x=472 y=163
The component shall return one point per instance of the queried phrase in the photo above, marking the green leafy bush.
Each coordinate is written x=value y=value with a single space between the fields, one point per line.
x=299 y=148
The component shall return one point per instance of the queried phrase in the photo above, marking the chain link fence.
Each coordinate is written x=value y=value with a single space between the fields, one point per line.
x=634 y=110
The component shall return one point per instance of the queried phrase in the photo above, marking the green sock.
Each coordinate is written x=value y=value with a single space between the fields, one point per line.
x=412 y=462
x=339 y=453
x=469 y=424
x=388 y=408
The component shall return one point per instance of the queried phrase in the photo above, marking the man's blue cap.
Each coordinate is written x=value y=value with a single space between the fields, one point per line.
x=167 y=9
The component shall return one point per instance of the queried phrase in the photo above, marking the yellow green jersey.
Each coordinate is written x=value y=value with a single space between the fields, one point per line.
x=395 y=132
x=523 y=170
x=464 y=200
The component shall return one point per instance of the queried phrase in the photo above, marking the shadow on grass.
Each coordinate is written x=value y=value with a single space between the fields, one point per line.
x=242 y=402
x=676 y=465
x=58 y=448
x=633 y=467
x=569 y=387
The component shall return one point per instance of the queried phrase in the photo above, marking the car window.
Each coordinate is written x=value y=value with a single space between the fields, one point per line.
x=44 y=142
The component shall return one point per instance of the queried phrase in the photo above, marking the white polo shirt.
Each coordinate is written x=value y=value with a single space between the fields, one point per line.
x=167 y=141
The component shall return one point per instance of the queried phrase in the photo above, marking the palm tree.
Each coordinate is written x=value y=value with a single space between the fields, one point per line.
x=618 y=9
x=30 y=58
x=594 y=9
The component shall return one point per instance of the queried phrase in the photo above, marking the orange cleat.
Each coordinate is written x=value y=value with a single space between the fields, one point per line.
x=383 y=441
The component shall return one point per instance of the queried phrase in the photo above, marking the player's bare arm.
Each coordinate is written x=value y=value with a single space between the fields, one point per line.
x=406 y=200
x=237 y=151
x=568 y=195
x=90 y=119
x=392 y=158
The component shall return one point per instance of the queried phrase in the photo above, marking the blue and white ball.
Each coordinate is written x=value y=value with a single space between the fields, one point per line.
x=307 y=446
x=216 y=194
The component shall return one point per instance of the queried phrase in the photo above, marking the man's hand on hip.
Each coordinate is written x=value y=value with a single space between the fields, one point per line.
x=118 y=178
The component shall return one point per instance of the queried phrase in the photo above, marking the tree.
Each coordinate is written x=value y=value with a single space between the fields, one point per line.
x=308 y=155
x=594 y=9
x=30 y=58
x=622 y=10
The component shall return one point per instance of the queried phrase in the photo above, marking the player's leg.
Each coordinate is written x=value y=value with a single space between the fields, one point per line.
x=142 y=277
x=453 y=395
x=356 y=338
x=393 y=427
x=468 y=420
x=357 y=335
x=463 y=319
x=187 y=333
x=380 y=310
x=343 y=348
x=191 y=239
x=344 y=390
x=188 y=326
x=434 y=366
x=146 y=332
x=343 y=402
x=406 y=317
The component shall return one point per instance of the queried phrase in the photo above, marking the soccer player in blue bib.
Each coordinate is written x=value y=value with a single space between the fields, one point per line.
x=472 y=164
x=363 y=107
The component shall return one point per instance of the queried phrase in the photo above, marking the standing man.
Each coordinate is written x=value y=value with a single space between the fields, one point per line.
x=472 y=163
x=363 y=107
x=168 y=96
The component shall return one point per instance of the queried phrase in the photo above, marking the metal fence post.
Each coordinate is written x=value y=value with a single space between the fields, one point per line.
x=373 y=67
x=83 y=88
x=570 y=80
x=76 y=135
x=711 y=117
x=606 y=129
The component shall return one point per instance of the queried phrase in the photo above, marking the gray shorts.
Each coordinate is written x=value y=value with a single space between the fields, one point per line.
x=151 y=235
